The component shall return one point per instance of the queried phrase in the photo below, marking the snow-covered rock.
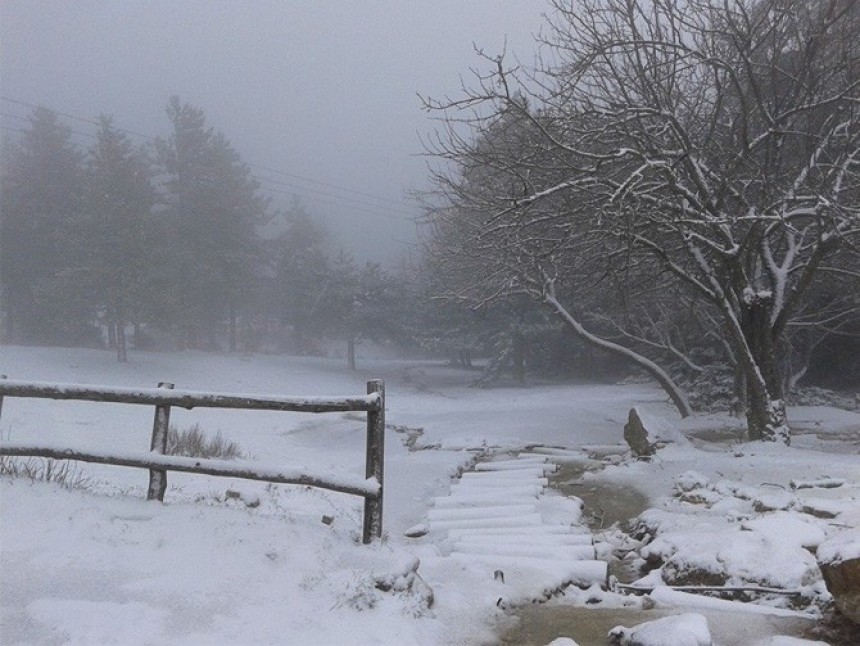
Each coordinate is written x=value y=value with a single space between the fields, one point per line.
x=731 y=555
x=839 y=559
x=689 y=629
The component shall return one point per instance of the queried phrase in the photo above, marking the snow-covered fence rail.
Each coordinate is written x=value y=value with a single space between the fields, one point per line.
x=164 y=397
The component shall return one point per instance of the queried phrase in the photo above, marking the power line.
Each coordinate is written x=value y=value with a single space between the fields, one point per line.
x=73 y=117
x=357 y=209
x=23 y=132
x=364 y=203
x=328 y=184
x=343 y=189
x=345 y=202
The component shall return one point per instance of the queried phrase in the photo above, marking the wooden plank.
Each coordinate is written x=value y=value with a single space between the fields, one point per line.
x=188 y=398
x=242 y=469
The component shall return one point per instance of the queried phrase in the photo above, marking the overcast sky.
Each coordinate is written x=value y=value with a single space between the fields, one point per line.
x=321 y=90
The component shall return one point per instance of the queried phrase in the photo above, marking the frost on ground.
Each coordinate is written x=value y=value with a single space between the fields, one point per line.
x=234 y=562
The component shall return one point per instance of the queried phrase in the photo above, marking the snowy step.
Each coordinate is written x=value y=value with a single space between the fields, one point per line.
x=515 y=465
x=496 y=511
x=521 y=458
x=553 y=452
x=481 y=500
x=525 y=491
x=525 y=520
x=559 y=572
x=483 y=538
x=492 y=481
x=560 y=552
x=525 y=531
x=511 y=475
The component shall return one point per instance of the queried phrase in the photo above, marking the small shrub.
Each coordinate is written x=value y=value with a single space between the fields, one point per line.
x=192 y=442
x=62 y=472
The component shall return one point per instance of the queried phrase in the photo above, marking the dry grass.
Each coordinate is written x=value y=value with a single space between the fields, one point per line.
x=192 y=442
x=62 y=472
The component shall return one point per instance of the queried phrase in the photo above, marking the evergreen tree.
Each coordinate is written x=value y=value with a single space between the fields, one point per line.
x=303 y=277
x=42 y=189
x=213 y=208
x=122 y=251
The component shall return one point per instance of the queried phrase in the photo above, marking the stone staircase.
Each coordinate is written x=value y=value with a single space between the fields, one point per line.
x=498 y=518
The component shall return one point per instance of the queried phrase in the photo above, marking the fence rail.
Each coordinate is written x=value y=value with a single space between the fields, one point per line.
x=164 y=397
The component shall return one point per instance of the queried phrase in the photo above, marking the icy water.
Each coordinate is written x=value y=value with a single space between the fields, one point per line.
x=539 y=625
x=606 y=503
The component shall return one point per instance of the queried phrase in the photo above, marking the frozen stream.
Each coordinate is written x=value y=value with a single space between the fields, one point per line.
x=607 y=503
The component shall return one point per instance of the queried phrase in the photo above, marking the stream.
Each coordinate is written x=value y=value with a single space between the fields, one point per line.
x=607 y=503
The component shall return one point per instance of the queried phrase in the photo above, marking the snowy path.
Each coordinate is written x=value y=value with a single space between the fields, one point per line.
x=523 y=543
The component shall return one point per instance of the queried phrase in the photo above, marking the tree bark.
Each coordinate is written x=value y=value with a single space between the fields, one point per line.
x=766 y=415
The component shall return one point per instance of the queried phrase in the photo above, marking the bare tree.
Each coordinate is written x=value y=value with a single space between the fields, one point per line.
x=710 y=145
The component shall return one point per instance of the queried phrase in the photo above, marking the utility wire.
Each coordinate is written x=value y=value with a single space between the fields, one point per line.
x=345 y=202
x=337 y=187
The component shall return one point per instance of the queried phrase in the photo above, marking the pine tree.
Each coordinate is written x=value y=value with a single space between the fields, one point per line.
x=213 y=208
x=42 y=189
x=121 y=257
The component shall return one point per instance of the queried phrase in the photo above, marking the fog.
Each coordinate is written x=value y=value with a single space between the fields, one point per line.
x=326 y=93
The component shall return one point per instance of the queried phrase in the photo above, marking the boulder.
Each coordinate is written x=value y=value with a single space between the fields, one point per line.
x=636 y=436
x=839 y=560
x=843 y=582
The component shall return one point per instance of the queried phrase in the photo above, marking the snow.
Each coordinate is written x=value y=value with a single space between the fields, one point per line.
x=100 y=564
x=689 y=629
x=843 y=546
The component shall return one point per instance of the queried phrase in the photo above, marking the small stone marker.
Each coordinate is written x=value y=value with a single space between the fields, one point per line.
x=636 y=436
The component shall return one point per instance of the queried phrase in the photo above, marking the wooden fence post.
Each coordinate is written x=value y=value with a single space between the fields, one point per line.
x=375 y=462
x=1 y=397
x=160 y=427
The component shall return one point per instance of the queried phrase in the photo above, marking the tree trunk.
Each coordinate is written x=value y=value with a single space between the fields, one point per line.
x=766 y=418
x=137 y=336
x=111 y=330
x=350 y=353
x=232 y=335
x=739 y=393
x=121 y=351
x=518 y=356
x=679 y=399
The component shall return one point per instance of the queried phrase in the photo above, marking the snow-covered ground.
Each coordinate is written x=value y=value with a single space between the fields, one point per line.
x=99 y=564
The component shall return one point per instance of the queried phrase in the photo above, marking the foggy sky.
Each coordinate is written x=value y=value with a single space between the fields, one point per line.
x=325 y=90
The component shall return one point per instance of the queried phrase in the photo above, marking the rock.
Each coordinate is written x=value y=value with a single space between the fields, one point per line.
x=417 y=531
x=250 y=499
x=636 y=435
x=776 y=501
x=690 y=481
x=690 y=629
x=821 y=483
x=839 y=560
x=843 y=582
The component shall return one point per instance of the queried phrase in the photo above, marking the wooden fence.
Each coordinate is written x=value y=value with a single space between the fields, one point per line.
x=164 y=397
